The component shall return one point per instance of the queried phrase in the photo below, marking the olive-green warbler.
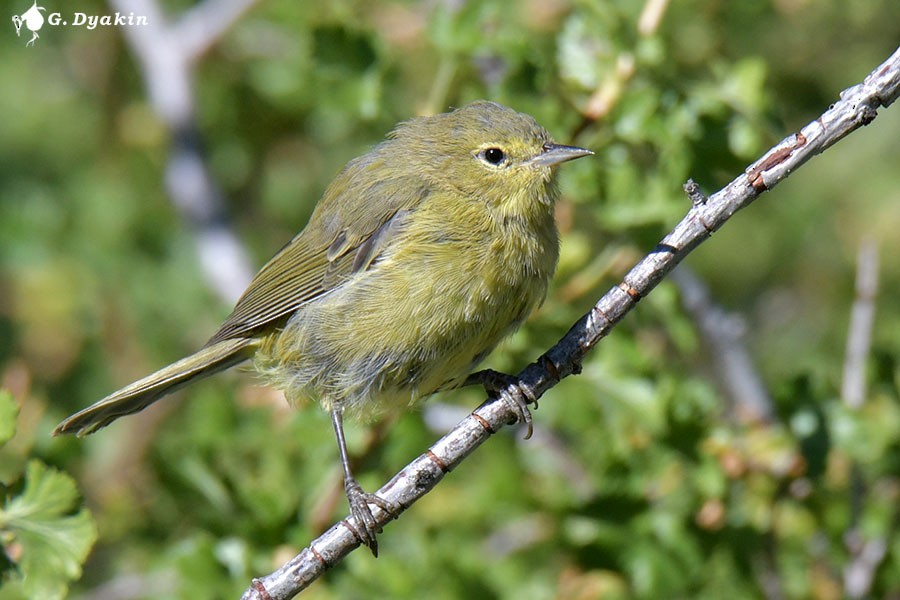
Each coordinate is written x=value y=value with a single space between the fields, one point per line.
x=420 y=257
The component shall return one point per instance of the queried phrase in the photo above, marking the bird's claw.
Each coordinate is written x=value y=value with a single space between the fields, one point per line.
x=361 y=511
x=508 y=387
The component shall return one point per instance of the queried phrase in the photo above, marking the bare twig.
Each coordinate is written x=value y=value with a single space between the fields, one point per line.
x=203 y=25
x=651 y=16
x=857 y=107
x=866 y=555
x=862 y=317
x=167 y=53
x=610 y=90
x=722 y=334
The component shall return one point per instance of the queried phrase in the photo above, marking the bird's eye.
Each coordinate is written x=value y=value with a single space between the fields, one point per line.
x=494 y=156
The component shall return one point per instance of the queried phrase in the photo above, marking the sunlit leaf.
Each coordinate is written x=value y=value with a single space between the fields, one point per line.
x=47 y=542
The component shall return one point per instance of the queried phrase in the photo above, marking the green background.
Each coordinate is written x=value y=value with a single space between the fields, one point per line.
x=640 y=482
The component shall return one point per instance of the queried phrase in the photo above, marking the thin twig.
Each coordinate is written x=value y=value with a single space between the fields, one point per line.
x=651 y=16
x=857 y=107
x=862 y=318
x=204 y=24
x=723 y=333
x=866 y=555
x=859 y=574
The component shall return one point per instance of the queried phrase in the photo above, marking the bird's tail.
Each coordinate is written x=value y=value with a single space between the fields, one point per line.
x=144 y=392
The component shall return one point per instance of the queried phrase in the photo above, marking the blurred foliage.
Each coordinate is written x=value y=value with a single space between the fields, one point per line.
x=640 y=483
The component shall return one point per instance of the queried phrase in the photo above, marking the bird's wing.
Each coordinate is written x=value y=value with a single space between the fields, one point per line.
x=334 y=245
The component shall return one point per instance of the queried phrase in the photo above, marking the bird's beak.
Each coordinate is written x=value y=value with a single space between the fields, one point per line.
x=553 y=154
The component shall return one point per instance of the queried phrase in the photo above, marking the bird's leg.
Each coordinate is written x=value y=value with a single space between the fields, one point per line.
x=358 y=499
x=501 y=385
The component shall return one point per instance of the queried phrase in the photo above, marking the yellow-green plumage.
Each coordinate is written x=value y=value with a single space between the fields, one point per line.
x=420 y=257
x=451 y=275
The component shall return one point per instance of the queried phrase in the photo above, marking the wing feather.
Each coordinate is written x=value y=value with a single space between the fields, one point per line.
x=327 y=252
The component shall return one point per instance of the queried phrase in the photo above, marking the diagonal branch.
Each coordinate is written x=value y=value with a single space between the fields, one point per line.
x=167 y=53
x=722 y=333
x=857 y=107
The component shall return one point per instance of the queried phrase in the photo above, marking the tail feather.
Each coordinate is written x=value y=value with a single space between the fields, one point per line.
x=144 y=392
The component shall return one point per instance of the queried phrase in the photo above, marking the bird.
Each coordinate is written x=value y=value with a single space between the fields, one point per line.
x=421 y=256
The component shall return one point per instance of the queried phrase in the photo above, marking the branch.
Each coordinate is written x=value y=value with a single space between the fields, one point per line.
x=205 y=23
x=722 y=334
x=856 y=107
x=862 y=318
x=167 y=53
x=866 y=555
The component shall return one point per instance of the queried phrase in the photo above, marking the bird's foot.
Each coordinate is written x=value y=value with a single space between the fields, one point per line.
x=508 y=387
x=361 y=503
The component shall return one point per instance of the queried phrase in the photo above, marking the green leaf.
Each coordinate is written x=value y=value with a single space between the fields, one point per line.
x=9 y=411
x=50 y=546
